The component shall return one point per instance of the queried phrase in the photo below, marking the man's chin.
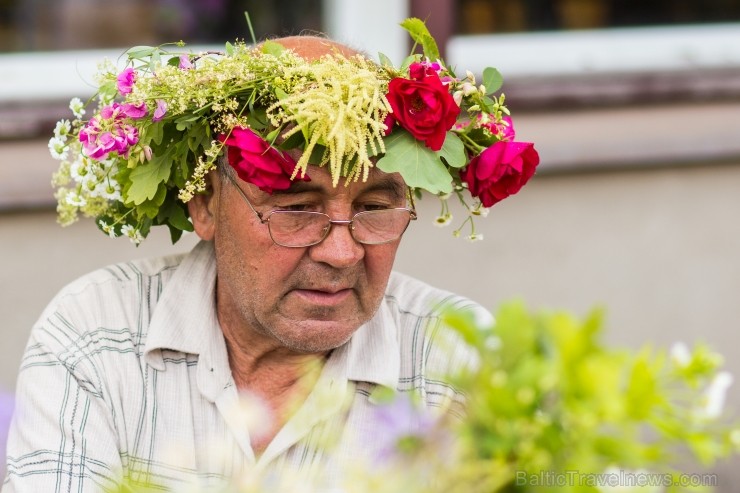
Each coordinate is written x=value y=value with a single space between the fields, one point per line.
x=318 y=336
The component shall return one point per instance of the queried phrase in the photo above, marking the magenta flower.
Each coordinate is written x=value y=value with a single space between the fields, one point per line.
x=504 y=130
x=160 y=111
x=125 y=81
x=500 y=170
x=419 y=70
x=134 y=111
x=109 y=132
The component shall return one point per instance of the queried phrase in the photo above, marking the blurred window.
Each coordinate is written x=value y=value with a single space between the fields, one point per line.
x=491 y=16
x=46 y=25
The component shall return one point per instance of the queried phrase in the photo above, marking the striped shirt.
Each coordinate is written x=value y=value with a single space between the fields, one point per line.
x=126 y=375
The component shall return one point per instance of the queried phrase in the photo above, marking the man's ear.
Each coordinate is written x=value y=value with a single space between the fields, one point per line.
x=203 y=207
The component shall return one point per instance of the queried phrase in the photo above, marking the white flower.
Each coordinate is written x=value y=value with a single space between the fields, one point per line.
x=62 y=129
x=133 y=234
x=468 y=89
x=474 y=237
x=714 y=397
x=480 y=211
x=457 y=96
x=58 y=148
x=680 y=354
x=107 y=228
x=78 y=170
x=77 y=107
x=108 y=189
x=442 y=221
x=75 y=199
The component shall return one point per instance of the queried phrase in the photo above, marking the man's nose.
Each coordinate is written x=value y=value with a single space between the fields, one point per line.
x=339 y=249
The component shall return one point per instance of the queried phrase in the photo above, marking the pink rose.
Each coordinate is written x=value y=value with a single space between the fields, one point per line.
x=125 y=81
x=257 y=162
x=501 y=170
x=423 y=106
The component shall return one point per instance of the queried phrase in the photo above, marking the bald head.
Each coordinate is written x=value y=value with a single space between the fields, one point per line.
x=314 y=47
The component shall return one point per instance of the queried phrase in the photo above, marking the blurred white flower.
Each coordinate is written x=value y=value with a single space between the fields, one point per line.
x=714 y=397
x=62 y=129
x=75 y=199
x=680 y=354
x=58 y=148
x=252 y=413
x=132 y=233
x=77 y=107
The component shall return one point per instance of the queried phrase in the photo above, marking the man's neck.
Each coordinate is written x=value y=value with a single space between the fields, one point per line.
x=281 y=379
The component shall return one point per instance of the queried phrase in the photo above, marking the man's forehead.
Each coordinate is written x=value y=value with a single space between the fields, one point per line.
x=321 y=182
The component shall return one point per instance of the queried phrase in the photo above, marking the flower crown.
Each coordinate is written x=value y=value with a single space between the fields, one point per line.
x=161 y=124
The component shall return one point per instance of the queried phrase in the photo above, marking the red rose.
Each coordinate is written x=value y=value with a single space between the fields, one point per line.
x=424 y=107
x=501 y=170
x=257 y=162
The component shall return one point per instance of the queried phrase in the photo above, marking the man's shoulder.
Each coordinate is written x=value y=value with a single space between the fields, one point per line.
x=119 y=277
x=113 y=298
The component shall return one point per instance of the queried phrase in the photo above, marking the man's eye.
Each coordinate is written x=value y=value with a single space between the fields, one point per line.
x=373 y=207
x=295 y=207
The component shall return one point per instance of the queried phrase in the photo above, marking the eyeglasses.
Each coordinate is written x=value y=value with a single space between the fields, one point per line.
x=298 y=229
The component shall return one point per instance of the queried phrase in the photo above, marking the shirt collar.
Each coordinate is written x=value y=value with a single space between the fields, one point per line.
x=186 y=312
x=373 y=351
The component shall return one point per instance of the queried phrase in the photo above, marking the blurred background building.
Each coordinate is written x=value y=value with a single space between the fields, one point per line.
x=634 y=107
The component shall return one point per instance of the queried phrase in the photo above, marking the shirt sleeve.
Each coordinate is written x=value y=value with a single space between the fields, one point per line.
x=62 y=437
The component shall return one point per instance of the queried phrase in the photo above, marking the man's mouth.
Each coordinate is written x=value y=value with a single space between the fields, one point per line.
x=324 y=296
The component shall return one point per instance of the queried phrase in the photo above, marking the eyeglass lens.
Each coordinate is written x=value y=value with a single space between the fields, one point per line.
x=302 y=228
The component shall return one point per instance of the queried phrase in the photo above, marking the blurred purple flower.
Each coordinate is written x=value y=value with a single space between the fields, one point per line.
x=403 y=428
x=7 y=403
x=185 y=63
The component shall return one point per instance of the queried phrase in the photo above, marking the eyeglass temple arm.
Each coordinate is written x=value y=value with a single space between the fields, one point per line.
x=244 y=196
x=410 y=196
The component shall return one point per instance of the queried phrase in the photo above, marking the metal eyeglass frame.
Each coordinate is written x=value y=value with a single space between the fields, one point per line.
x=348 y=222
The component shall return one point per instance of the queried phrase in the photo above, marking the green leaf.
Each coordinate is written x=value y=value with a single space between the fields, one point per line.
x=420 y=34
x=419 y=166
x=257 y=118
x=453 y=151
x=145 y=179
x=138 y=52
x=173 y=213
x=150 y=208
x=280 y=94
x=384 y=60
x=229 y=48
x=272 y=48
x=492 y=79
x=408 y=61
x=185 y=122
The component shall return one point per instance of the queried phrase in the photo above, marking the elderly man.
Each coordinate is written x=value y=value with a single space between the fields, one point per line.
x=262 y=349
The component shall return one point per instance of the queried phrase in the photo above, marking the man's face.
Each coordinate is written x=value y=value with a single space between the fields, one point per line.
x=309 y=299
